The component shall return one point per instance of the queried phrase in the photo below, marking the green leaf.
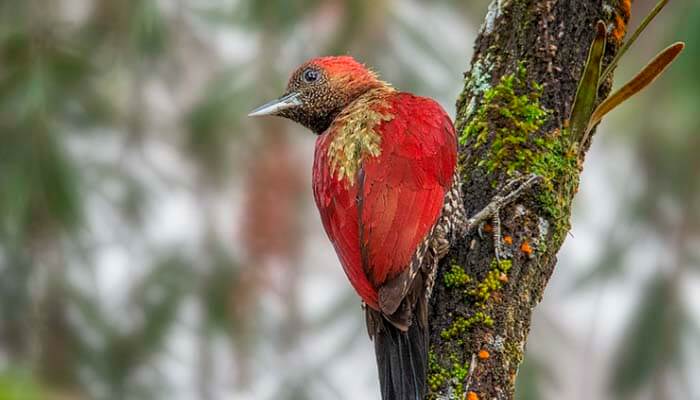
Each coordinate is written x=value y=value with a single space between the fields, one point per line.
x=587 y=91
x=635 y=85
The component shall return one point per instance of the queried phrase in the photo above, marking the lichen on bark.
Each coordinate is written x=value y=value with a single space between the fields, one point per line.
x=511 y=119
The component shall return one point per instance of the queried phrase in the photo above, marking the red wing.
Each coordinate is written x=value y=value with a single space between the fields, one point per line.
x=337 y=205
x=404 y=187
x=377 y=222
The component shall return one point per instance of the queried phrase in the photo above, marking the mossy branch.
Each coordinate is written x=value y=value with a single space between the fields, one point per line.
x=511 y=120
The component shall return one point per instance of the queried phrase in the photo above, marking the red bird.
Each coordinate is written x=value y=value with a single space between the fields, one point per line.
x=386 y=186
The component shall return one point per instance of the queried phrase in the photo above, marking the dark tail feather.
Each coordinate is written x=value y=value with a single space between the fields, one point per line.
x=402 y=359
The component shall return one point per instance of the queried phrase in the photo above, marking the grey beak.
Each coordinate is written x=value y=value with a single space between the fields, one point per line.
x=287 y=101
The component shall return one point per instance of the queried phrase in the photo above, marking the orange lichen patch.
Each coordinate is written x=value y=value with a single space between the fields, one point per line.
x=472 y=396
x=484 y=355
x=487 y=228
x=503 y=277
x=508 y=240
x=526 y=248
x=620 y=28
x=624 y=10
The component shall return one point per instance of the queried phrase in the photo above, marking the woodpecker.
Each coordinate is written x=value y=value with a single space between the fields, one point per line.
x=387 y=188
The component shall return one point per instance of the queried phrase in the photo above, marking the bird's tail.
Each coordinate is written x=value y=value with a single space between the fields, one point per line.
x=402 y=358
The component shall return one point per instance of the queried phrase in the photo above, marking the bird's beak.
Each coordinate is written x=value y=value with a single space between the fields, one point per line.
x=289 y=100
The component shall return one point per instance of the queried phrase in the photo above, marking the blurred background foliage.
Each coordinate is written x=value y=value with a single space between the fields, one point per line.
x=155 y=243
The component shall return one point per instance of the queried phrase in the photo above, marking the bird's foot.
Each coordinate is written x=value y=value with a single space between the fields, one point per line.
x=509 y=193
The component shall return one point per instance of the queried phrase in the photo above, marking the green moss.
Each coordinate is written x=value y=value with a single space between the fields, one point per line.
x=440 y=377
x=557 y=164
x=518 y=116
x=492 y=282
x=462 y=324
x=509 y=122
x=456 y=277
x=460 y=371
x=437 y=375
x=513 y=352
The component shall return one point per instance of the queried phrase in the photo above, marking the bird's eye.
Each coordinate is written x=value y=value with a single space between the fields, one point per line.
x=310 y=75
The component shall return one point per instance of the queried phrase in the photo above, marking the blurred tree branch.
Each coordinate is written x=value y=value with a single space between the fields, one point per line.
x=512 y=118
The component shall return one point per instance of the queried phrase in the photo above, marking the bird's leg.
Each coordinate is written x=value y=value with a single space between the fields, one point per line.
x=510 y=192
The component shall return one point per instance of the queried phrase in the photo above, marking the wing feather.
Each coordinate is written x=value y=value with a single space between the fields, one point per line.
x=377 y=222
x=404 y=187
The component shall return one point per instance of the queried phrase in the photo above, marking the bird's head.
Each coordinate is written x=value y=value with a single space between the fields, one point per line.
x=319 y=89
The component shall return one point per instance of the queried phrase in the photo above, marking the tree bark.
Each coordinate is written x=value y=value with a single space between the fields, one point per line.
x=511 y=119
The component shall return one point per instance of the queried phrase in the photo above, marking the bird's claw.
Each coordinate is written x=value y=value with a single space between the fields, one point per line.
x=513 y=189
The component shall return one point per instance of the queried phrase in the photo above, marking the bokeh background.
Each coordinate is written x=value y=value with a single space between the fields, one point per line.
x=157 y=244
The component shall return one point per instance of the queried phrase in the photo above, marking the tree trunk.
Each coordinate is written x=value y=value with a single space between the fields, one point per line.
x=511 y=119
